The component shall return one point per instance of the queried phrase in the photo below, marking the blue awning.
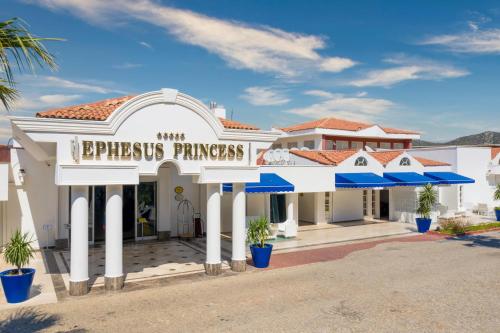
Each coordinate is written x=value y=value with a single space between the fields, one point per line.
x=409 y=179
x=269 y=183
x=449 y=178
x=361 y=180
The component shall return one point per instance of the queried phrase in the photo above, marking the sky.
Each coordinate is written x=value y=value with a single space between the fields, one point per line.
x=431 y=66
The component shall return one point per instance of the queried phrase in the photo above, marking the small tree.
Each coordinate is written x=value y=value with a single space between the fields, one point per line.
x=258 y=231
x=496 y=195
x=18 y=251
x=426 y=200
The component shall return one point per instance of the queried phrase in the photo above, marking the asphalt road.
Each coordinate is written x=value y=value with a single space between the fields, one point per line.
x=434 y=286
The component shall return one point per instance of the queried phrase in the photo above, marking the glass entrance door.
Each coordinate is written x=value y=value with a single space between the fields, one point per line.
x=129 y=212
x=146 y=211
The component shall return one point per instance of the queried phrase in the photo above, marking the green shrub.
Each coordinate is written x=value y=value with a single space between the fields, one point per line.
x=456 y=226
x=426 y=200
x=258 y=231
x=496 y=195
x=18 y=251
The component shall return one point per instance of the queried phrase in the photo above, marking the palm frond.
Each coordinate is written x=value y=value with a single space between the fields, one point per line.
x=19 y=48
x=7 y=95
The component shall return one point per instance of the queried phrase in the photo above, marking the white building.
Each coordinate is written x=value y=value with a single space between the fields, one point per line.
x=481 y=163
x=117 y=169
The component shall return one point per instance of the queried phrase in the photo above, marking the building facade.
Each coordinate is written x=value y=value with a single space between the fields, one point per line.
x=131 y=168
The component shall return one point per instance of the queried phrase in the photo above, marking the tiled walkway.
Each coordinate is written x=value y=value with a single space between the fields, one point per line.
x=142 y=261
x=329 y=253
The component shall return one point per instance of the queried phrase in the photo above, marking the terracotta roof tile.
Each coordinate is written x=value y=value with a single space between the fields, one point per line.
x=385 y=157
x=494 y=152
x=4 y=154
x=428 y=162
x=341 y=124
x=231 y=124
x=326 y=157
x=101 y=110
x=91 y=111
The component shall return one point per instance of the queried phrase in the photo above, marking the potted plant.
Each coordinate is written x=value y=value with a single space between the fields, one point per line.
x=496 y=196
x=17 y=282
x=257 y=234
x=426 y=200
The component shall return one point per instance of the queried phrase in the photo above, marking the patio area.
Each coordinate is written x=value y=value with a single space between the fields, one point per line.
x=142 y=261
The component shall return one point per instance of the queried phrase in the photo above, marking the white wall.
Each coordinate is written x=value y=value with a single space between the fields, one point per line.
x=347 y=205
x=306 y=207
x=34 y=201
x=404 y=204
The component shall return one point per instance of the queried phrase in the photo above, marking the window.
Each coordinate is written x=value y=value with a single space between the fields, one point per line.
x=327 y=202
x=385 y=145
x=309 y=144
x=329 y=145
x=405 y=161
x=398 y=145
x=460 y=195
x=365 y=204
x=278 y=208
x=342 y=145
x=361 y=161
x=277 y=146
x=372 y=145
x=291 y=145
x=357 y=145
x=373 y=203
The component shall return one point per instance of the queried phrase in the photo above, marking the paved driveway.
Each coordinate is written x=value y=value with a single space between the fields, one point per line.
x=427 y=286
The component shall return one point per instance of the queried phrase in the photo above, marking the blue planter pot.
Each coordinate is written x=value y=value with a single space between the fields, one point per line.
x=497 y=213
x=261 y=255
x=17 y=287
x=423 y=224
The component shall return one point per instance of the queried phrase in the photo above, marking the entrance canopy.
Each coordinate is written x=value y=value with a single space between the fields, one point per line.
x=269 y=183
x=449 y=178
x=361 y=180
x=409 y=179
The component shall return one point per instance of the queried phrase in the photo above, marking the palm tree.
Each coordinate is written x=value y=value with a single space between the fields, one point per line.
x=20 y=48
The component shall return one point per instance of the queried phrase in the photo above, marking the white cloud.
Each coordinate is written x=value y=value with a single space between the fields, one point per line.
x=58 y=83
x=336 y=64
x=264 y=96
x=408 y=68
x=127 y=65
x=146 y=45
x=35 y=103
x=258 y=48
x=342 y=106
x=475 y=41
x=319 y=93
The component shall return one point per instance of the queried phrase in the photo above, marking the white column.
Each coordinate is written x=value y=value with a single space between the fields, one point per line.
x=319 y=207
x=113 y=276
x=292 y=223
x=369 y=194
x=79 y=267
x=238 y=259
x=213 y=263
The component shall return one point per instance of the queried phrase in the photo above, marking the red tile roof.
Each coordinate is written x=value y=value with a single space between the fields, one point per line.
x=385 y=157
x=231 y=124
x=341 y=124
x=4 y=154
x=494 y=152
x=335 y=157
x=91 y=111
x=326 y=157
x=428 y=162
x=101 y=110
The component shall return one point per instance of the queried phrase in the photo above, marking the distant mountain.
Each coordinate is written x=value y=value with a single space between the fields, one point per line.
x=485 y=138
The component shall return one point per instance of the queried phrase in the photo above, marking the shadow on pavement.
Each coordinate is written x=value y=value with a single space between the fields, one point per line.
x=481 y=240
x=28 y=320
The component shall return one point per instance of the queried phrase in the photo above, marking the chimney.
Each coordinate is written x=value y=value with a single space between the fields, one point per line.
x=218 y=110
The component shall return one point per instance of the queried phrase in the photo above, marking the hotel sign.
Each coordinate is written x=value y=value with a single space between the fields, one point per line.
x=97 y=150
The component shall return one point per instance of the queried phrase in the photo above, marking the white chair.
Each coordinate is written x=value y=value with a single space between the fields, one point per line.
x=482 y=209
